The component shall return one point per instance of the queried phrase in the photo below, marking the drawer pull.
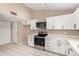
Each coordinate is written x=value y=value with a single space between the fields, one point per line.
x=58 y=43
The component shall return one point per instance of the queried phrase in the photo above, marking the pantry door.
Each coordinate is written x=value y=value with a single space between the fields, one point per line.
x=5 y=32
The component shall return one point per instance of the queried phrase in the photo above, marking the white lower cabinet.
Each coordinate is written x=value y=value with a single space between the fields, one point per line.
x=53 y=46
x=70 y=50
x=31 y=41
x=61 y=46
x=57 y=45
x=47 y=44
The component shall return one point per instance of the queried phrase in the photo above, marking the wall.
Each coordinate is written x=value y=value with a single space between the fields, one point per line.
x=19 y=8
x=23 y=12
x=43 y=14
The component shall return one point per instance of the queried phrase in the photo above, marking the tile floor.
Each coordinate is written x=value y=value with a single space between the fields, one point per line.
x=22 y=50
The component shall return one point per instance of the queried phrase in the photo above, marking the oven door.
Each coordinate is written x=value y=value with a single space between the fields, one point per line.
x=39 y=41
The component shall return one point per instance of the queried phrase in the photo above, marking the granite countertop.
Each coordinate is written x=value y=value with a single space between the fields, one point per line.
x=63 y=36
x=60 y=36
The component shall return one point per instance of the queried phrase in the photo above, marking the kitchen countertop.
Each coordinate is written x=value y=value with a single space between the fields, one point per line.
x=63 y=36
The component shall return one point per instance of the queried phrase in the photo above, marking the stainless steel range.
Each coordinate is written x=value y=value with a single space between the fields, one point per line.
x=39 y=40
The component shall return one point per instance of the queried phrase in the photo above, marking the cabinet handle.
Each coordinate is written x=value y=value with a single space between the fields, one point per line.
x=62 y=27
x=67 y=43
x=58 y=43
x=70 y=50
x=53 y=27
x=75 y=26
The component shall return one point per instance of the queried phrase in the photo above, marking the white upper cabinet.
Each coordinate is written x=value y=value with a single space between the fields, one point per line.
x=50 y=23
x=76 y=22
x=60 y=22
x=76 y=18
x=33 y=24
x=28 y=22
x=67 y=22
x=54 y=23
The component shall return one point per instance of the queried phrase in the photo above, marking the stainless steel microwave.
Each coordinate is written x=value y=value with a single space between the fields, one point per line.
x=41 y=25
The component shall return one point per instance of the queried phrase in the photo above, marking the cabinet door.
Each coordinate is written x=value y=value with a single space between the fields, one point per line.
x=53 y=45
x=76 y=19
x=50 y=45
x=61 y=47
x=47 y=44
x=70 y=50
x=28 y=22
x=58 y=22
x=33 y=24
x=31 y=40
x=67 y=21
x=58 y=46
x=50 y=23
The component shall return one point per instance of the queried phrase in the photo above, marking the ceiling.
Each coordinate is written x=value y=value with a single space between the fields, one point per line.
x=52 y=6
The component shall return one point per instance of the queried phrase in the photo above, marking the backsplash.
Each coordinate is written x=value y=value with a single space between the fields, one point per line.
x=60 y=32
x=64 y=32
